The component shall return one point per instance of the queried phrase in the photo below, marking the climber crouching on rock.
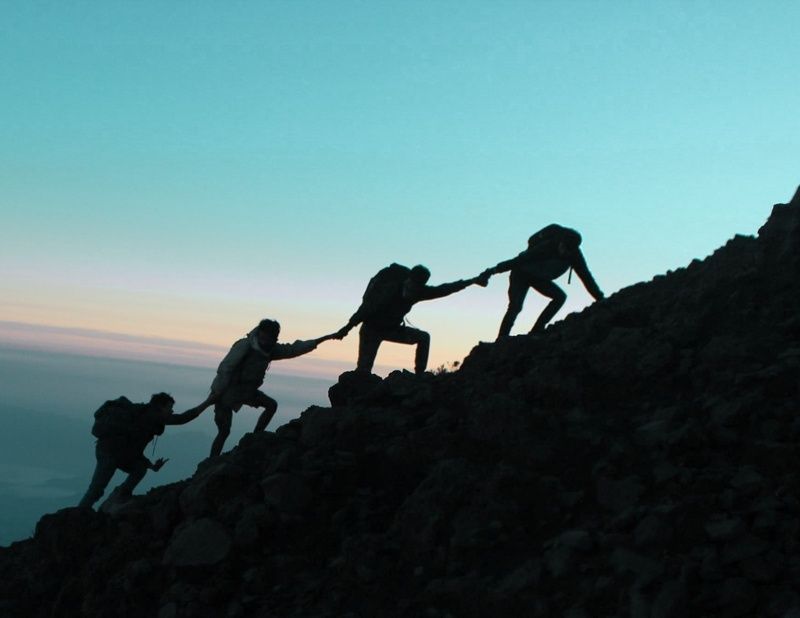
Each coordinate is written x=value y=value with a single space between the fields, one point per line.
x=551 y=252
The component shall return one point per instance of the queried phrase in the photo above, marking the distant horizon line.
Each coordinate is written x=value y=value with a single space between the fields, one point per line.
x=95 y=332
x=112 y=345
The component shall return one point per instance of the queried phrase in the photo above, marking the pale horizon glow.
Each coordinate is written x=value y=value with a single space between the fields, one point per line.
x=120 y=346
x=177 y=172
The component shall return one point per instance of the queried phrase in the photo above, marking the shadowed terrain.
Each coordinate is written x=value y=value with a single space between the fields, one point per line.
x=637 y=459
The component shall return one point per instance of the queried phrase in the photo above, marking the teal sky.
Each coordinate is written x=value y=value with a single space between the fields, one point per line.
x=182 y=169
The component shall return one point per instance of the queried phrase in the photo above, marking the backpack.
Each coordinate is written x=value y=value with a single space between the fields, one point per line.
x=385 y=287
x=116 y=417
x=545 y=245
x=545 y=242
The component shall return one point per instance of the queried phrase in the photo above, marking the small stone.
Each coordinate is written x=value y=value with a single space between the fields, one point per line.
x=559 y=560
x=639 y=606
x=747 y=479
x=645 y=569
x=665 y=471
x=671 y=601
x=763 y=569
x=618 y=495
x=200 y=543
x=652 y=530
x=738 y=596
x=744 y=547
x=287 y=493
x=170 y=610
x=766 y=520
x=711 y=567
x=725 y=529
x=577 y=539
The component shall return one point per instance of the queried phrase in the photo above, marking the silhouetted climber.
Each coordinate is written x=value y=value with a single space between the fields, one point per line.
x=123 y=429
x=242 y=372
x=388 y=298
x=551 y=252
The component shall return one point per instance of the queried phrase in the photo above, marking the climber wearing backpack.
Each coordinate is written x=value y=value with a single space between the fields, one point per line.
x=551 y=252
x=388 y=298
x=241 y=373
x=123 y=429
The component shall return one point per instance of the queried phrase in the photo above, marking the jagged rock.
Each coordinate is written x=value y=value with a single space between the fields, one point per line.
x=652 y=531
x=253 y=522
x=559 y=560
x=725 y=529
x=204 y=542
x=214 y=485
x=287 y=493
x=747 y=546
x=763 y=569
x=711 y=567
x=576 y=539
x=738 y=597
x=523 y=578
x=646 y=570
x=170 y=610
x=318 y=425
x=351 y=386
x=781 y=233
x=671 y=601
x=618 y=495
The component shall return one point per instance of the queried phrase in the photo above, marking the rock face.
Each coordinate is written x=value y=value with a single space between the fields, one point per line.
x=638 y=459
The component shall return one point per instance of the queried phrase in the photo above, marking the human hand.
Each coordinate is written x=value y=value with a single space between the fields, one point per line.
x=483 y=279
x=159 y=464
x=342 y=332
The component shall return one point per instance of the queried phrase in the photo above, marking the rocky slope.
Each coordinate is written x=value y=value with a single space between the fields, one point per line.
x=638 y=459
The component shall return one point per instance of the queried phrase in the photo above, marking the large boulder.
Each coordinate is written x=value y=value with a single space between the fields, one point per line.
x=351 y=386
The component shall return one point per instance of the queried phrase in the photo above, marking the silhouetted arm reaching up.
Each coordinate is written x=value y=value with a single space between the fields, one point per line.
x=191 y=413
x=432 y=292
x=291 y=350
x=505 y=265
x=325 y=338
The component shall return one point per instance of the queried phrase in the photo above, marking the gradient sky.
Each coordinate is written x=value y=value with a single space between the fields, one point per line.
x=179 y=170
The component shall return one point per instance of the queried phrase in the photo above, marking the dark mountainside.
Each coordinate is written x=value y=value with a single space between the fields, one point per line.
x=638 y=459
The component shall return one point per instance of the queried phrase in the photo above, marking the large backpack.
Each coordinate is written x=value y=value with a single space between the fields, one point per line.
x=386 y=287
x=545 y=242
x=116 y=417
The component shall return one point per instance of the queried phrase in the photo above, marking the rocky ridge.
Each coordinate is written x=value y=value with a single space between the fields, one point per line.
x=637 y=459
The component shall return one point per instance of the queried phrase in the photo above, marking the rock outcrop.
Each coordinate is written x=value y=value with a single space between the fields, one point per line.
x=637 y=459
